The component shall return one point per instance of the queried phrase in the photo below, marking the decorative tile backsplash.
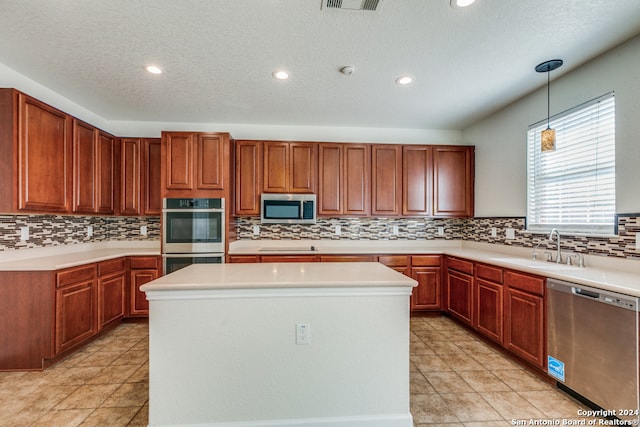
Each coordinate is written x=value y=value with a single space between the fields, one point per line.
x=55 y=230
x=473 y=229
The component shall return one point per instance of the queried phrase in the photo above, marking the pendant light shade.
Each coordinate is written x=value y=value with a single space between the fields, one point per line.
x=548 y=136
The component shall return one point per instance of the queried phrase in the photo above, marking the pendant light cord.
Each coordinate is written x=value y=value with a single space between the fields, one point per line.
x=548 y=99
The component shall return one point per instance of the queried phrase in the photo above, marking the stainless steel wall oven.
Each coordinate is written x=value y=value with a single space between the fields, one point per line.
x=193 y=231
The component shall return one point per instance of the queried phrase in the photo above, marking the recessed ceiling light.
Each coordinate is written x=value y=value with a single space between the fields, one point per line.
x=404 y=80
x=153 y=69
x=280 y=75
x=456 y=4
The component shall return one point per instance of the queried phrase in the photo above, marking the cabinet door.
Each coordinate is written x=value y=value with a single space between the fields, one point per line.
x=488 y=303
x=330 y=182
x=248 y=178
x=459 y=296
x=84 y=168
x=105 y=172
x=386 y=179
x=243 y=259
x=426 y=296
x=76 y=311
x=44 y=157
x=151 y=176
x=453 y=175
x=356 y=190
x=524 y=332
x=276 y=164
x=210 y=157
x=111 y=298
x=178 y=163
x=417 y=180
x=302 y=167
x=130 y=176
x=139 y=306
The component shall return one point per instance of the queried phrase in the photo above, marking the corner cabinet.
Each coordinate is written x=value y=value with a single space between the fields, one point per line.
x=195 y=164
x=453 y=181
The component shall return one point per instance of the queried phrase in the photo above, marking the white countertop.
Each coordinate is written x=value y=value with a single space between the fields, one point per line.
x=280 y=275
x=610 y=273
x=58 y=257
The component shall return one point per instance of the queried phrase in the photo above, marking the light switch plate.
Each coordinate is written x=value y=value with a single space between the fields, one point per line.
x=338 y=230
x=143 y=230
x=440 y=231
x=89 y=230
x=256 y=230
x=510 y=233
x=24 y=233
x=494 y=232
x=303 y=333
x=637 y=240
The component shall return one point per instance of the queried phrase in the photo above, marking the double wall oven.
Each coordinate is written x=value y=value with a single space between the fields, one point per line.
x=192 y=232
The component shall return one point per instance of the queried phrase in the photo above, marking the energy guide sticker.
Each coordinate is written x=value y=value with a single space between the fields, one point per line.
x=555 y=368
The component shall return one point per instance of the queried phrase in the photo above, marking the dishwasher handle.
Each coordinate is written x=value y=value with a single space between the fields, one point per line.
x=585 y=293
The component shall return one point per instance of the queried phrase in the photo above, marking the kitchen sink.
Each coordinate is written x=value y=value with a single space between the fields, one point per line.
x=539 y=265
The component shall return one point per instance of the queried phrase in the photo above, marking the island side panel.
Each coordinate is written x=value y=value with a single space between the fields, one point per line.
x=217 y=360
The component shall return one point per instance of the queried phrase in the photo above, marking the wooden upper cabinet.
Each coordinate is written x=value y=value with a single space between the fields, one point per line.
x=211 y=158
x=151 y=176
x=93 y=169
x=417 y=180
x=178 y=164
x=344 y=174
x=84 y=165
x=195 y=164
x=330 y=178
x=386 y=179
x=44 y=157
x=248 y=173
x=453 y=181
x=289 y=167
x=105 y=172
x=130 y=176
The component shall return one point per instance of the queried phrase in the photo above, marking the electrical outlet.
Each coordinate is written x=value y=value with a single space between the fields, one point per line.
x=440 y=231
x=303 y=333
x=510 y=233
x=637 y=241
x=338 y=230
x=89 y=230
x=256 y=230
x=494 y=232
x=394 y=230
x=143 y=230
x=24 y=233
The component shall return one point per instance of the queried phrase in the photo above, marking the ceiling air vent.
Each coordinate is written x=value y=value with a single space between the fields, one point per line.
x=351 y=4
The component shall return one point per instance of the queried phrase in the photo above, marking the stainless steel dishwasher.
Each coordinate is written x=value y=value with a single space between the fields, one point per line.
x=593 y=345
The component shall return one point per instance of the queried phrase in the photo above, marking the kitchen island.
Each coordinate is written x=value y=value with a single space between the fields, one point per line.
x=296 y=344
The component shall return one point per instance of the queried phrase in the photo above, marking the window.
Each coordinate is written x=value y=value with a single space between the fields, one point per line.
x=573 y=188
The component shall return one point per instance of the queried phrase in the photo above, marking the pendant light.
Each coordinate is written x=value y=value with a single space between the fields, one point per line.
x=548 y=136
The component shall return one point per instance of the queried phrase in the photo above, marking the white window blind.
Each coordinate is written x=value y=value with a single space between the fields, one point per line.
x=573 y=188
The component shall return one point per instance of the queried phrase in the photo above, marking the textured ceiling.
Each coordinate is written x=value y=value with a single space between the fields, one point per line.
x=218 y=56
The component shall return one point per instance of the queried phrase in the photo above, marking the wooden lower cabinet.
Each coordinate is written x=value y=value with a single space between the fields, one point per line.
x=243 y=259
x=488 y=302
x=459 y=289
x=143 y=269
x=76 y=306
x=426 y=270
x=524 y=317
x=347 y=258
x=112 y=285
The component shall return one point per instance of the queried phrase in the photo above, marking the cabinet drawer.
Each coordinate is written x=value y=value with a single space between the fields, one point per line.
x=111 y=266
x=426 y=260
x=75 y=275
x=394 y=260
x=347 y=258
x=524 y=282
x=143 y=262
x=488 y=272
x=460 y=265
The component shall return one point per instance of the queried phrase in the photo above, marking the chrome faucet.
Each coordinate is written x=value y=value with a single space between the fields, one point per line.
x=558 y=252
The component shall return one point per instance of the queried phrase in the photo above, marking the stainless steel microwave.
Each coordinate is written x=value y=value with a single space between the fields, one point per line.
x=288 y=208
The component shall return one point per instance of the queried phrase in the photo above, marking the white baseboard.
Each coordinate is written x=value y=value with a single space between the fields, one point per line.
x=397 y=420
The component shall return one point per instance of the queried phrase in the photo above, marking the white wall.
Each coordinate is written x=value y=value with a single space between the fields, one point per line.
x=11 y=78
x=501 y=142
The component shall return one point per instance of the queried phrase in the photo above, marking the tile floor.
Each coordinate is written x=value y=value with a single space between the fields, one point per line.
x=456 y=379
